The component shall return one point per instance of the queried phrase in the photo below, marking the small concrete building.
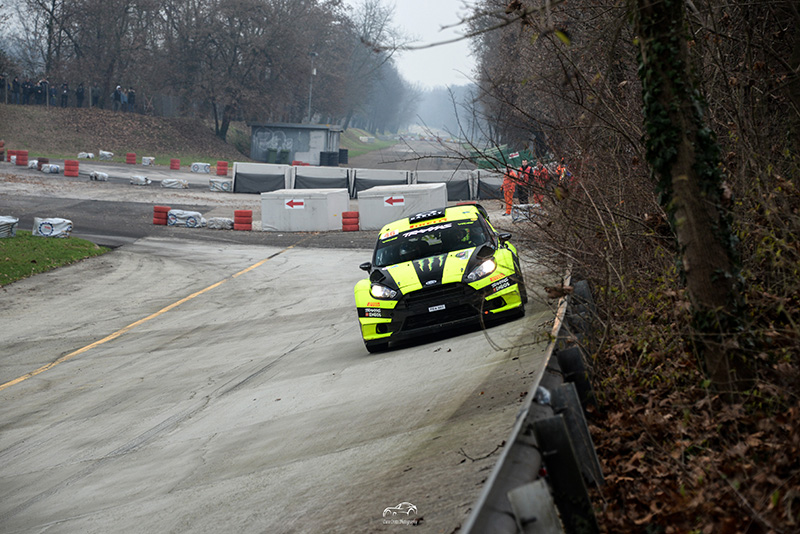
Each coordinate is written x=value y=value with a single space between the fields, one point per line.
x=315 y=144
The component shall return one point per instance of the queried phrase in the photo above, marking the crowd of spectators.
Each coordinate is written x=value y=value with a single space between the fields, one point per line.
x=26 y=92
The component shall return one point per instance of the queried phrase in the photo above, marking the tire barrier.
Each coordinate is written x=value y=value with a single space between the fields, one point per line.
x=550 y=451
x=42 y=162
x=203 y=168
x=175 y=164
x=222 y=168
x=51 y=227
x=140 y=180
x=130 y=158
x=220 y=184
x=220 y=223
x=71 y=168
x=2 y=149
x=22 y=158
x=243 y=220
x=50 y=168
x=189 y=219
x=147 y=160
x=172 y=183
x=160 y=215
x=9 y=154
x=350 y=221
x=8 y=226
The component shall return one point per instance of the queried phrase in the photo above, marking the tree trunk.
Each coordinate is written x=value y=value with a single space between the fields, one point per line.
x=684 y=155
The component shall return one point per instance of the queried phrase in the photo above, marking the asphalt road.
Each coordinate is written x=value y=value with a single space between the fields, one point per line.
x=191 y=382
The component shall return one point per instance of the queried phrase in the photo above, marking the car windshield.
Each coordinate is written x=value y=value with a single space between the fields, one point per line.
x=429 y=241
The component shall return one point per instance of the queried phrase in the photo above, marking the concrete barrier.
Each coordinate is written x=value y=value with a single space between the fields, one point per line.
x=305 y=210
x=383 y=204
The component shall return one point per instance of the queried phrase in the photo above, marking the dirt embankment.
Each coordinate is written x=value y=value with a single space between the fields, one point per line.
x=67 y=131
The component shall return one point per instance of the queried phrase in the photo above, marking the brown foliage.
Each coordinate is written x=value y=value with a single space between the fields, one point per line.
x=675 y=456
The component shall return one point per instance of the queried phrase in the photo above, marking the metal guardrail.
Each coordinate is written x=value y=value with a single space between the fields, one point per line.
x=539 y=481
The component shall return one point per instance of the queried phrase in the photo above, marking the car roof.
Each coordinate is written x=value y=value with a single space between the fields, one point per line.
x=459 y=212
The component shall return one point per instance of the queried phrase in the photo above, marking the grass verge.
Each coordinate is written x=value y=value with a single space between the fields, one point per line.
x=350 y=140
x=25 y=255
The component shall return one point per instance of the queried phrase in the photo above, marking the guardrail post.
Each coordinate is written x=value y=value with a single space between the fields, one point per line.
x=565 y=477
x=564 y=400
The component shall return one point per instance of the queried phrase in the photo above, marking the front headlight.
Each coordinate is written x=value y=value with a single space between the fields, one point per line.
x=382 y=292
x=482 y=270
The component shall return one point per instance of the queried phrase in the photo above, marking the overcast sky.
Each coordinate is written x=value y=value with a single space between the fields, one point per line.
x=422 y=21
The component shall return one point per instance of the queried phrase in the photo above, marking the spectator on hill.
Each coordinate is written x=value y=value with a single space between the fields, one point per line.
x=27 y=89
x=131 y=99
x=95 y=95
x=45 y=85
x=116 y=99
x=16 y=89
x=79 y=92
x=64 y=94
x=39 y=93
x=53 y=92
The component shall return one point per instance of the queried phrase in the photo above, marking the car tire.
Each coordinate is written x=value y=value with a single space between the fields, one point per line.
x=376 y=346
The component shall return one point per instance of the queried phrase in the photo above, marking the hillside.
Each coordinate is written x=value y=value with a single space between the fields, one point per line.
x=57 y=132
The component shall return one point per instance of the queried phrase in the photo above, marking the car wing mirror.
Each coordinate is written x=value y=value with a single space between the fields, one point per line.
x=504 y=236
x=366 y=266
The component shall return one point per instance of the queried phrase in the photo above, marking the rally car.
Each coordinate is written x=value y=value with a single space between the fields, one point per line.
x=435 y=270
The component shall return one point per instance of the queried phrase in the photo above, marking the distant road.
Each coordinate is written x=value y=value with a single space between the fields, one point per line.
x=414 y=155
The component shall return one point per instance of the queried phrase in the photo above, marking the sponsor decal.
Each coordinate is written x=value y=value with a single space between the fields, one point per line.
x=387 y=235
x=496 y=277
x=427 y=229
x=428 y=223
x=501 y=284
x=463 y=254
x=374 y=304
x=373 y=312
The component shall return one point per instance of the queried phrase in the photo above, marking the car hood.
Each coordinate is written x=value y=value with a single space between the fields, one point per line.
x=428 y=272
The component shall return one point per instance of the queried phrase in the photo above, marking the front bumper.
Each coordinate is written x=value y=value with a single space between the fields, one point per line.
x=437 y=308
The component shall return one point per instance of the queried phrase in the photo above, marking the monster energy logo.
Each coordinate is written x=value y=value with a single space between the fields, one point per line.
x=429 y=264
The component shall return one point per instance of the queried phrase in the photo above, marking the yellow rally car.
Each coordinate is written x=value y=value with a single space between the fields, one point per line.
x=435 y=270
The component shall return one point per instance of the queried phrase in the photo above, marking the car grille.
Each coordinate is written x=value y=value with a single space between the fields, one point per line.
x=459 y=300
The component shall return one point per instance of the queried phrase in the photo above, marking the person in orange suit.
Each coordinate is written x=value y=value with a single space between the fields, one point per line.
x=509 y=184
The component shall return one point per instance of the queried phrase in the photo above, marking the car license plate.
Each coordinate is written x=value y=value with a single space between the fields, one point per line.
x=440 y=307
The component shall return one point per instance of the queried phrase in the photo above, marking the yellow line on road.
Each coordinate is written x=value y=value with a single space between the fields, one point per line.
x=162 y=311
